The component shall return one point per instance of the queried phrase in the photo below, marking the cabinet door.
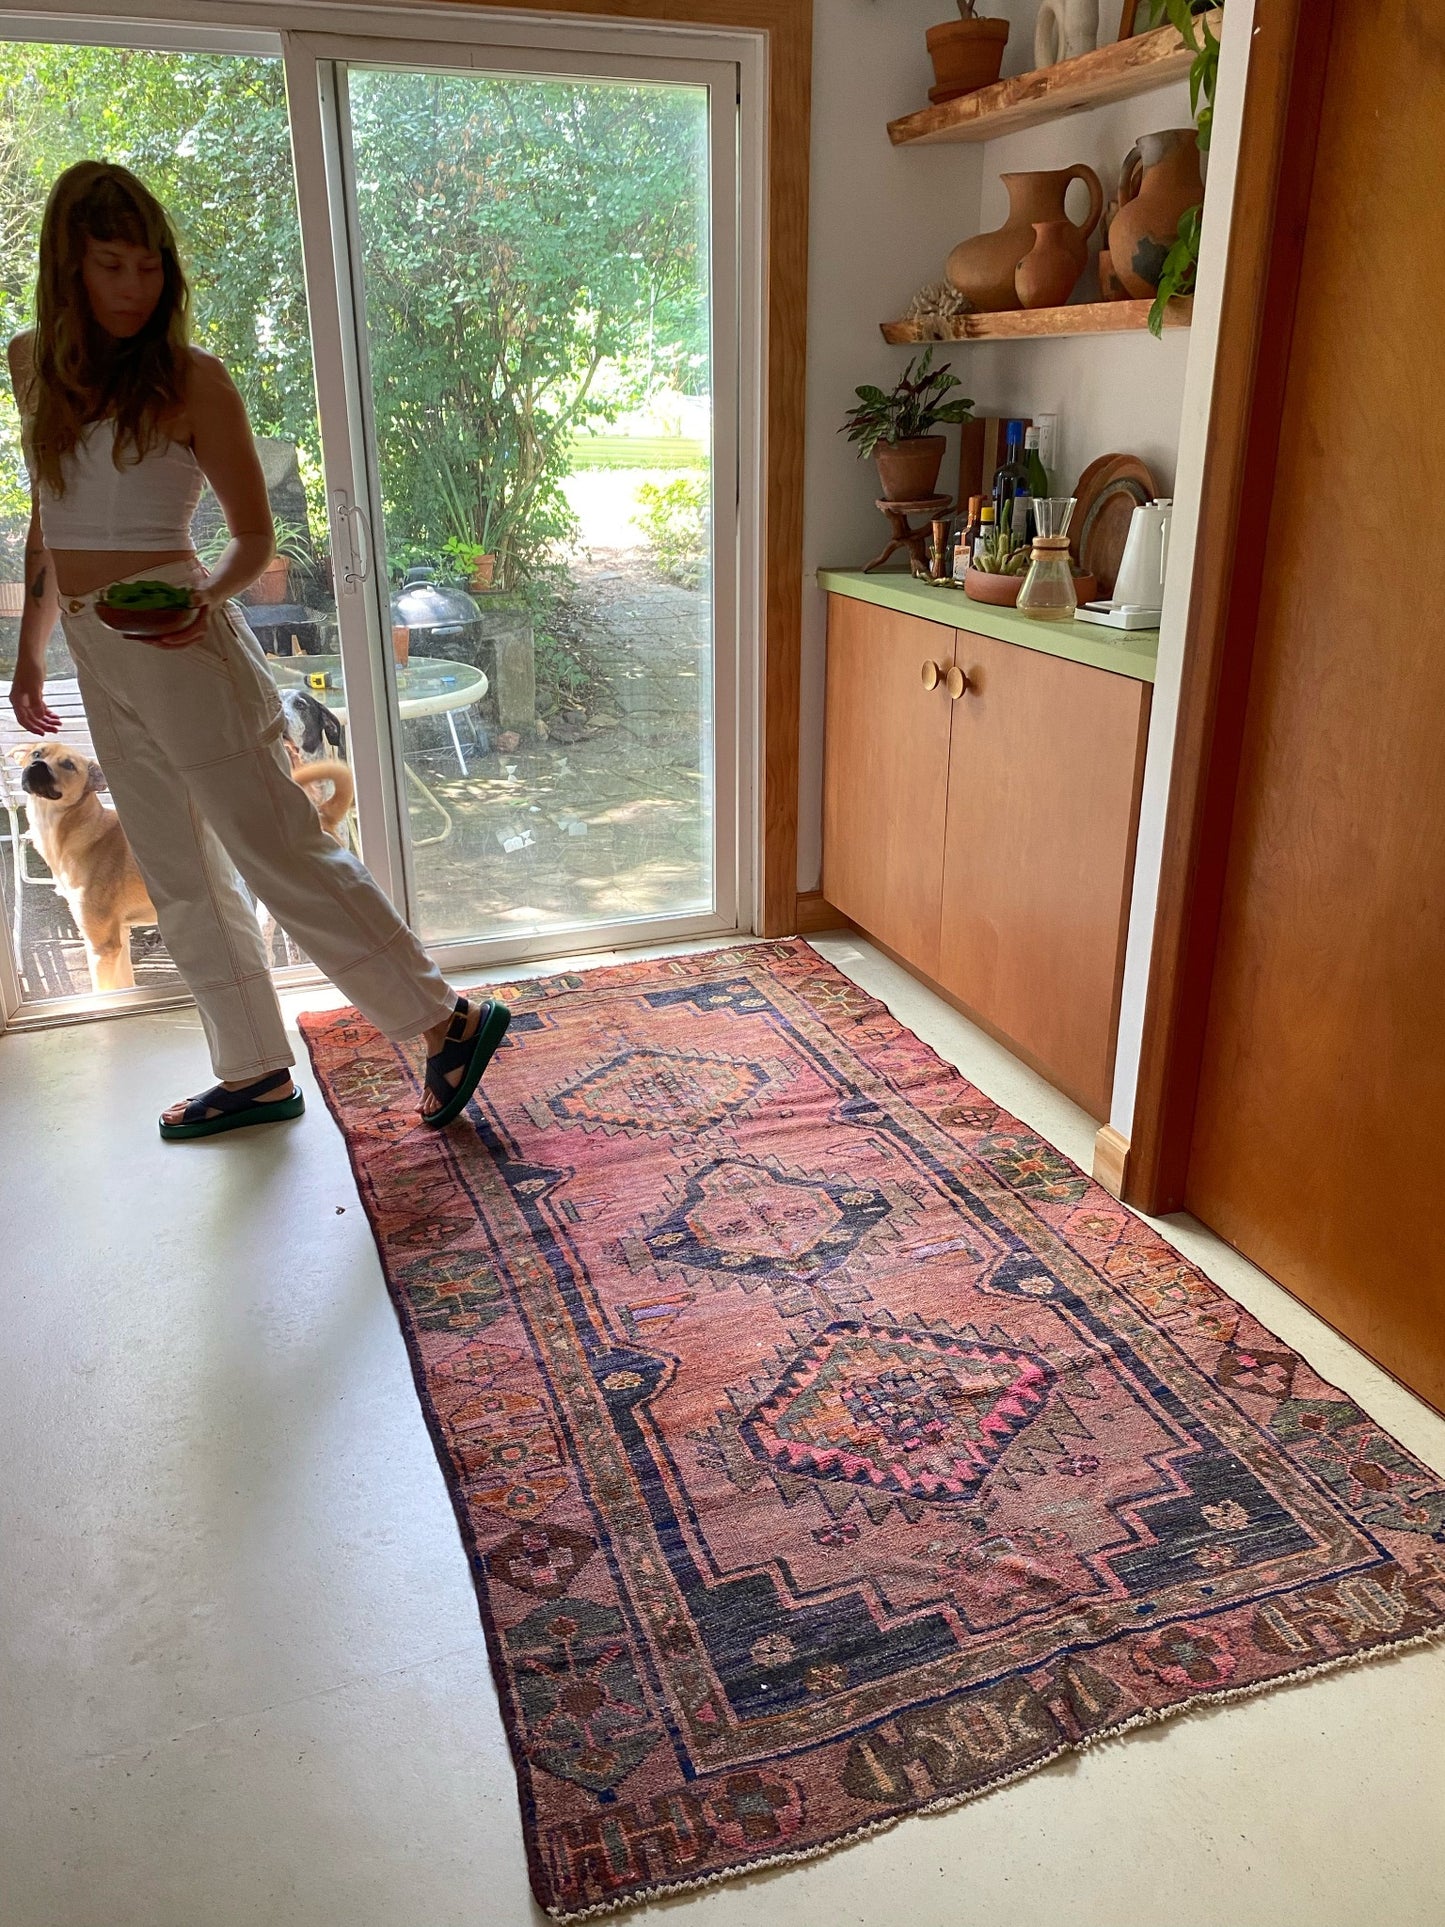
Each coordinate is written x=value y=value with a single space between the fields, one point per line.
x=885 y=775
x=1044 y=775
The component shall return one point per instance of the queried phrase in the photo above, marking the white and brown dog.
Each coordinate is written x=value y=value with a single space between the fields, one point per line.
x=89 y=857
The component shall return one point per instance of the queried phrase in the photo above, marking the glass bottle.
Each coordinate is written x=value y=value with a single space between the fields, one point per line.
x=1048 y=591
x=1034 y=463
x=1011 y=479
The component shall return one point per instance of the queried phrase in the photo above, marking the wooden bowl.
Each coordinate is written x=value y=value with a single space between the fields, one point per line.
x=1000 y=590
x=140 y=623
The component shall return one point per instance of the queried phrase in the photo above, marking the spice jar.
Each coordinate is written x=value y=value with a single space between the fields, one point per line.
x=1048 y=591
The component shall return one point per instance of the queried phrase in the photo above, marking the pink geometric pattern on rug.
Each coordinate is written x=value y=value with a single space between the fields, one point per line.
x=827 y=1447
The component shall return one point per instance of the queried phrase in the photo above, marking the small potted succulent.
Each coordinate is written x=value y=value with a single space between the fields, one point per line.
x=966 y=53
x=894 y=428
x=998 y=570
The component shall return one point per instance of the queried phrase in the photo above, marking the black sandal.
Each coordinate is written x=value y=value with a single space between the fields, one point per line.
x=469 y=1054
x=234 y=1110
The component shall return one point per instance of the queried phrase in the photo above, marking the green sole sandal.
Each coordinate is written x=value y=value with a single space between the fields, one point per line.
x=219 y=1110
x=469 y=1054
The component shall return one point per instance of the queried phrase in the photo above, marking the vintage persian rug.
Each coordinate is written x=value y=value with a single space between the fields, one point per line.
x=827 y=1447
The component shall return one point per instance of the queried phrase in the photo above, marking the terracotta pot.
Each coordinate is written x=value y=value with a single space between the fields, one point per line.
x=908 y=471
x=1111 y=288
x=1158 y=182
x=271 y=584
x=1049 y=272
x=1000 y=590
x=983 y=268
x=966 y=55
x=484 y=571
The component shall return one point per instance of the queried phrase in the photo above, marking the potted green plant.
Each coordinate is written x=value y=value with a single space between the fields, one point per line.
x=474 y=564
x=273 y=584
x=894 y=428
x=998 y=569
x=967 y=53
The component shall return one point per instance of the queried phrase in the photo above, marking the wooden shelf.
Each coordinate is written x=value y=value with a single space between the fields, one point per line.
x=1042 y=324
x=1114 y=72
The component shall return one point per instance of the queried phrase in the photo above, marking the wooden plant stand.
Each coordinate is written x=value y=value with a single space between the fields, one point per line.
x=932 y=507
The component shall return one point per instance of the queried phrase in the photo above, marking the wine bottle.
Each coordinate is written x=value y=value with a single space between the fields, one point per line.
x=1011 y=479
x=1033 y=462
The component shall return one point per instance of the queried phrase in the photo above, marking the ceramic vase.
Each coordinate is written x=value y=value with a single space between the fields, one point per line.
x=1049 y=272
x=1064 y=30
x=1159 y=181
x=983 y=268
x=966 y=55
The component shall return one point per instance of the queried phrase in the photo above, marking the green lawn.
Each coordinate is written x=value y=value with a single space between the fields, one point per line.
x=637 y=451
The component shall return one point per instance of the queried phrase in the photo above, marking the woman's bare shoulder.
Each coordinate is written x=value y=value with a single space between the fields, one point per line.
x=206 y=376
x=20 y=352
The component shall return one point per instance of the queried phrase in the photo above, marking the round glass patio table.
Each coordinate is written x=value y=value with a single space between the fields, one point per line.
x=425 y=686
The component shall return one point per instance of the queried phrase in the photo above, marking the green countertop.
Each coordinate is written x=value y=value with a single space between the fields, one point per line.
x=1123 y=652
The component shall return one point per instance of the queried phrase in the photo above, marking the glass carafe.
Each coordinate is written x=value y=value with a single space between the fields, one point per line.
x=1048 y=591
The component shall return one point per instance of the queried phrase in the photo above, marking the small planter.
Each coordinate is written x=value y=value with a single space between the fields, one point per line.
x=966 y=55
x=908 y=471
x=484 y=571
x=1002 y=591
x=271 y=584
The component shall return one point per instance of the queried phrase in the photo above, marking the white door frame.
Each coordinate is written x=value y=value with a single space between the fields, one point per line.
x=308 y=36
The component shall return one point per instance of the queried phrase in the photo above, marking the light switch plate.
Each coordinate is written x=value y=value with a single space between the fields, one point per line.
x=1048 y=427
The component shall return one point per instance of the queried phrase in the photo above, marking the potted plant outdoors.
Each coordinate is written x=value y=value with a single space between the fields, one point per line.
x=967 y=53
x=273 y=583
x=472 y=563
x=894 y=428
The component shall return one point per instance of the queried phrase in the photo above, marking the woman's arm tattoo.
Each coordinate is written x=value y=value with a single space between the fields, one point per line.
x=37 y=587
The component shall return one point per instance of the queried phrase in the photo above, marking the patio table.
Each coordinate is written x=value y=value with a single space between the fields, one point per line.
x=425 y=686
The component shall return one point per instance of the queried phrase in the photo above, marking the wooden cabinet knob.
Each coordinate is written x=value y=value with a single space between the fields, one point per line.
x=931 y=675
x=955 y=682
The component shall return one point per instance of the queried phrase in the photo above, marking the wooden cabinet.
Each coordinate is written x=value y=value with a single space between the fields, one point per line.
x=885 y=774
x=987 y=839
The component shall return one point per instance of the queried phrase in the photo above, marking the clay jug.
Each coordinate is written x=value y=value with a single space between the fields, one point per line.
x=1159 y=180
x=1049 y=272
x=983 y=268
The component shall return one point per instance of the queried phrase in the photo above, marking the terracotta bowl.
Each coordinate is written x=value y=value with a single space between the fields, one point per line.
x=1000 y=590
x=139 y=623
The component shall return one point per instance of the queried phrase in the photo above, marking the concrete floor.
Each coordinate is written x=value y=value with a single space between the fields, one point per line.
x=244 y=1681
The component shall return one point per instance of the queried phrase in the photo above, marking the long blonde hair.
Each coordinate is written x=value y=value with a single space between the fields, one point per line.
x=80 y=374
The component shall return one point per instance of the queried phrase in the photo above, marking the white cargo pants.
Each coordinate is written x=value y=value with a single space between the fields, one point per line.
x=190 y=744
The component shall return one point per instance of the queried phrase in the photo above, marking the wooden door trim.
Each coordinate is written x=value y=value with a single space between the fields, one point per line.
x=788 y=28
x=1288 y=55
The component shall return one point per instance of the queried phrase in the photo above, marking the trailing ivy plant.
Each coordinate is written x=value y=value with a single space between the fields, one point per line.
x=1181 y=263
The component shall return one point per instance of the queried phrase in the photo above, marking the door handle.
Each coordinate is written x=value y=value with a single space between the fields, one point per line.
x=932 y=675
x=955 y=682
x=348 y=518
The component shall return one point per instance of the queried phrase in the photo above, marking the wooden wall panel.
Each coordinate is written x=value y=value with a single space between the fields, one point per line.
x=1321 y=1110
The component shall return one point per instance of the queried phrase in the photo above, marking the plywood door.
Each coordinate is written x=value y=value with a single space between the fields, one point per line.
x=885 y=775
x=1039 y=855
x=1319 y=1137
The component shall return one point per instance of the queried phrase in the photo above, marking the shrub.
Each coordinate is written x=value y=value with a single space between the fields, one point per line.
x=674 y=518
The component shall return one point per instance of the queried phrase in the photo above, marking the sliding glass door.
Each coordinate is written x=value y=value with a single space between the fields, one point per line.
x=484 y=305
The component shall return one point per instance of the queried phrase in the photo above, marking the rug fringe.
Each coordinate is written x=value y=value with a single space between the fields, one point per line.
x=1147 y=1716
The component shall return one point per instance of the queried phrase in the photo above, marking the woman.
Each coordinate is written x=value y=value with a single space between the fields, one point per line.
x=123 y=422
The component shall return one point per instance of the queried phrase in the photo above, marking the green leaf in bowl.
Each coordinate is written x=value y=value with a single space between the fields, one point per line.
x=147 y=595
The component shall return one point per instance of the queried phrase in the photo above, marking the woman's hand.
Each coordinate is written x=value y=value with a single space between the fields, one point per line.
x=203 y=600
x=27 y=699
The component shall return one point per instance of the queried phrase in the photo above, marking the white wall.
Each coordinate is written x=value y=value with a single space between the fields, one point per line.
x=877 y=220
x=1164 y=715
x=882 y=222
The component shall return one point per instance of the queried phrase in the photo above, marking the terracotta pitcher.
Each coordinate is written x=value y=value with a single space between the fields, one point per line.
x=983 y=268
x=1158 y=182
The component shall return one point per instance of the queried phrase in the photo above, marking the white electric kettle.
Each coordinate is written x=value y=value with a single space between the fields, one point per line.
x=1140 y=581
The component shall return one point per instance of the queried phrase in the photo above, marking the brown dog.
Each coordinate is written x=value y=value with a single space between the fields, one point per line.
x=88 y=855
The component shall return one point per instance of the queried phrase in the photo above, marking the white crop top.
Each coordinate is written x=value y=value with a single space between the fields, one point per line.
x=146 y=504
